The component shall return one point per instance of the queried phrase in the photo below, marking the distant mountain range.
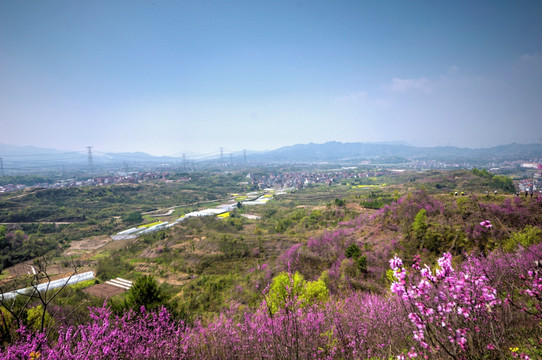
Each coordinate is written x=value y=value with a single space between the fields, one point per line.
x=30 y=154
x=337 y=151
x=328 y=152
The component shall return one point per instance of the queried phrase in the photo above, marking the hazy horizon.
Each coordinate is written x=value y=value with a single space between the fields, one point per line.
x=168 y=78
x=201 y=156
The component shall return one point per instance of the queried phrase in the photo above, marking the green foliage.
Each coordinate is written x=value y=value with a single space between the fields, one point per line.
x=390 y=277
x=208 y=293
x=28 y=180
x=482 y=173
x=340 y=202
x=504 y=183
x=362 y=264
x=284 y=287
x=145 y=292
x=133 y=218
x=112 y=267
x=530 y=235
x=349 y=269
x=233 y=248
x=288 y=221
x=235 y=222
x=315 y=292
x=501 y=182
x=16 y=246
x=7 y=326
x=38 y=318
x=292 y=289
x=377 y=200
x=353 y=251
x=419 y=226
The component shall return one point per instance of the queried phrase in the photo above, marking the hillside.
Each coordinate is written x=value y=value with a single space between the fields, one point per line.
x=311 y=267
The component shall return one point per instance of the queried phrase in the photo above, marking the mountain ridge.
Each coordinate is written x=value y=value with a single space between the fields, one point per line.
x=328 y=151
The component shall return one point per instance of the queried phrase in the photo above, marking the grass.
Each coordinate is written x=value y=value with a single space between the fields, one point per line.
x=100 y=256
x=4 y=275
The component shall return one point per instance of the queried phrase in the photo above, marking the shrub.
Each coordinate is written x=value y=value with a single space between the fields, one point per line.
x=353 y=251
x=145 y=292
x=288 y=291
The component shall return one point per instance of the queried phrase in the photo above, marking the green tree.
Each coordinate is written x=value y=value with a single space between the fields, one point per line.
x=504 y=183
x=7 y=328
x=340 y=202
x=38 y=318
x=109 y=268
x=362 y=264
x=419 y=226
x=133 y=218
x=315 y=292
x=353 y=251
x=145 y=292
x=292 y=290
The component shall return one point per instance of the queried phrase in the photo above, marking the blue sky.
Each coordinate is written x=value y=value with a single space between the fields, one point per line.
x=168 y=77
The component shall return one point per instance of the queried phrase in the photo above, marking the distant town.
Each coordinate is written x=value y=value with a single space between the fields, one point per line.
x=530 y=179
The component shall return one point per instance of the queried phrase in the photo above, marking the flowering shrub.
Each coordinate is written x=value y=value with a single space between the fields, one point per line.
x=459 y=313
x=448 y=308
x=135 y=336
x=484 y=308
x=358 y=326
x=399 y=215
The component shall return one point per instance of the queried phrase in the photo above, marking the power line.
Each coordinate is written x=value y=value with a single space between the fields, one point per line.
x=89 y=158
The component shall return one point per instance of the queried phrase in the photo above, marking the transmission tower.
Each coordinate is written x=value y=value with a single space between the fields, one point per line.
x=184 y=161
x=89 y=158
x=221 y=154
x=245 y=155
x=2 y=167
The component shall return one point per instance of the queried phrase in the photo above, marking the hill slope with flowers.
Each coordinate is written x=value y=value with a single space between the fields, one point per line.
x=430 y=275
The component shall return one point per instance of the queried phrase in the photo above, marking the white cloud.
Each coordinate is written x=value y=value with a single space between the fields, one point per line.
x=402 y=85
